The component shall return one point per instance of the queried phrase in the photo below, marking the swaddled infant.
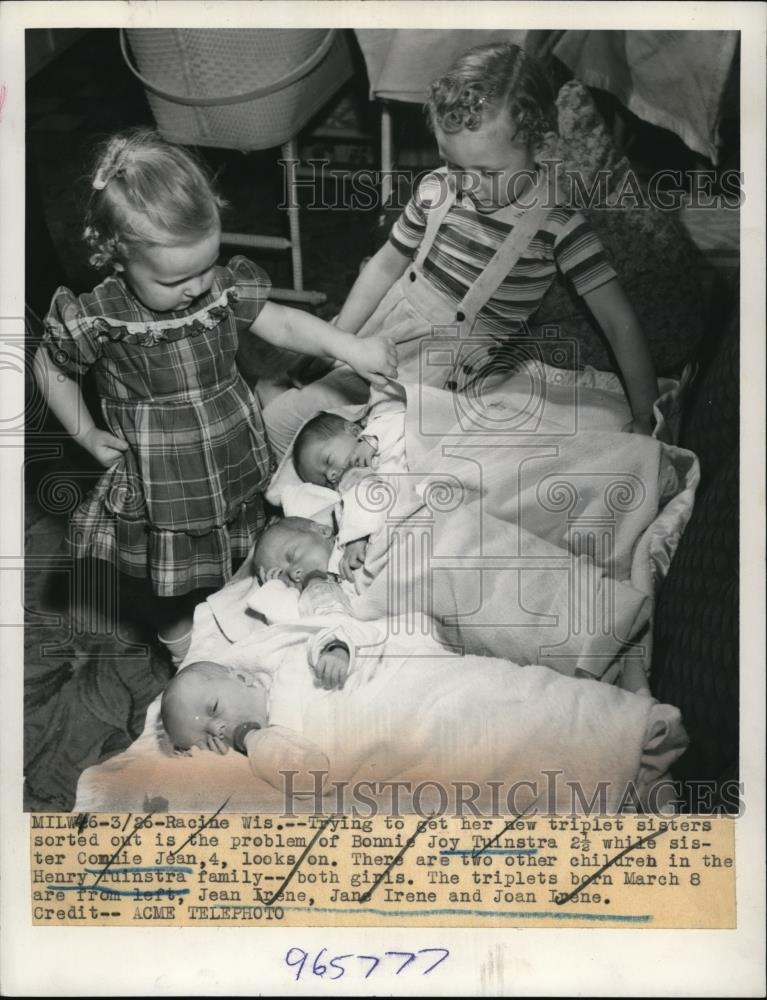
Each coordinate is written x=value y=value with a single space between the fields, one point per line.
x=294 y=550
x=327 y=446
x=337 y=453
x=330 y=699
x=213 y=707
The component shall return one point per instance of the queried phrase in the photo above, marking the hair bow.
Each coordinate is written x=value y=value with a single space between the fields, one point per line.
x=111 y=165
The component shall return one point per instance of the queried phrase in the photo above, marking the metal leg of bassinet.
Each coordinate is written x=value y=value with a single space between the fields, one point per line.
x=297 y=293
x=290 y=158
x=386 y=154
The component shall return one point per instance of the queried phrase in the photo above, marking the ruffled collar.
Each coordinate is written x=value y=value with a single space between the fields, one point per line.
x=172 y=326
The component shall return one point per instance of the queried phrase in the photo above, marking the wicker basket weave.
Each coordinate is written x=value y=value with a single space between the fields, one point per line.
x=237 y=88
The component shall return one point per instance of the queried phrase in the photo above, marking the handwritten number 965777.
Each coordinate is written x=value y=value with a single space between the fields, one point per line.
x=398 y=962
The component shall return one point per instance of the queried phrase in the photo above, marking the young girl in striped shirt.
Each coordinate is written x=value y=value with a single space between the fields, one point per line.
x=184 y=448
x=476 y=249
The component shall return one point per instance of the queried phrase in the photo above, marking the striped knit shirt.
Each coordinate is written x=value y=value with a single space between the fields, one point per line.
x=468 y=239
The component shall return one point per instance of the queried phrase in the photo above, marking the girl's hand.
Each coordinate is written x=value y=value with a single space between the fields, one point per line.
x=639 y=425
x=332 y=668
x=105 y=447
x=374 y=358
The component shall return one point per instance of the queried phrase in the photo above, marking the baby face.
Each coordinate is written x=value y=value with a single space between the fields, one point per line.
x=289 y=555
x=324 y=462
x=205 y=703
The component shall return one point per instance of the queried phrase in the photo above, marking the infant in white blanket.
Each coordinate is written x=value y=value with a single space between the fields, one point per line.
x=328 y=445
x=331 y=453
x=293 y=550
x=329 y=697
x=212 y=707
x=335 y=453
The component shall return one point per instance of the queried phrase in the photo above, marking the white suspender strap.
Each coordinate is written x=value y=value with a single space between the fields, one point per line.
x=509 y=252
x=440 y=205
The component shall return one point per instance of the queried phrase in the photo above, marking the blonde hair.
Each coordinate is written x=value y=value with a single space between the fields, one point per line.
x=146 y=192
x=280 y=526
x=491 y=80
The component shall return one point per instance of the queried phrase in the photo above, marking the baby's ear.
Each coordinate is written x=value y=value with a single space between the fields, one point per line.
x=325 y=529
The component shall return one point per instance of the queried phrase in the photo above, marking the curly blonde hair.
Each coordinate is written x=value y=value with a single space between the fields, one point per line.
x=491 y=80
x=146 y=192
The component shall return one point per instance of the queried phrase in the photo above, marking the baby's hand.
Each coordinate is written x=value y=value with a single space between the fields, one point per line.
x=216 y=744
x=332 y=668
x=363 y=453
x=352 y=477
x=105 y=447
x=353 y=558
x=374 y=358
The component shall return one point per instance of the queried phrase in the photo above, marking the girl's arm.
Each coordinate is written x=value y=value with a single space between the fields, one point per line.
x=613 y=311
x=374 y=281
x=374 y=358
x=65 y=400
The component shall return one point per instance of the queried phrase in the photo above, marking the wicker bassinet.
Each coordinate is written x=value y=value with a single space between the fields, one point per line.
x=241 y=89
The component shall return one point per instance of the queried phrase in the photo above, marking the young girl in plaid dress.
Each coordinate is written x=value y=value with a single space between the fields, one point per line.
x=185 y=451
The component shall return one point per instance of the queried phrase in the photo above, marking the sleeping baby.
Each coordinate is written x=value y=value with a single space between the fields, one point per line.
x=330 y=698
x=328 y=445
x=212 y=707
x=336 y=453
x=381 y=507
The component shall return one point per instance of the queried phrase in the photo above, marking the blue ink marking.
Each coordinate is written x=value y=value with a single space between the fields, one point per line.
x=138 y=825
x=122 y=871
x=643 y=918
x=298 y=863
x=195 y=833
x=592 y=878
x=319 y=968
x=494 y=850
x=508 y=826
x=117 y=892
x=366 y=896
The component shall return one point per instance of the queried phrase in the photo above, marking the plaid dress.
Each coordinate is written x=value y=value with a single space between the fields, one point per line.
x=186 y=497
